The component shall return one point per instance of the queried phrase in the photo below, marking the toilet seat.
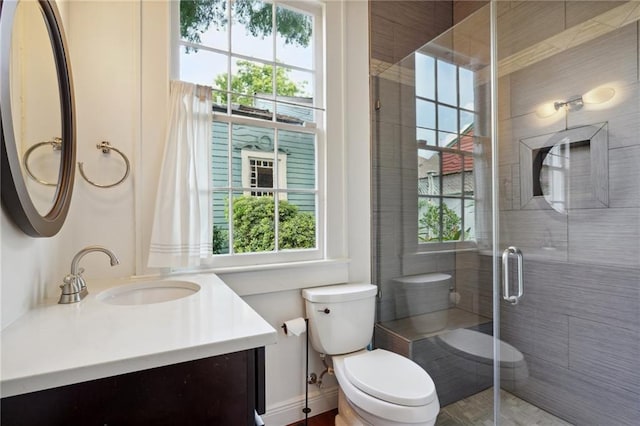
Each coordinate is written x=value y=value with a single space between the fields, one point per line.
x=390 y=377
x=366 y=403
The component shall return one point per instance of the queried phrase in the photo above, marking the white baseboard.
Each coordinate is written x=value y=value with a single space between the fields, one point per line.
x=290 y=411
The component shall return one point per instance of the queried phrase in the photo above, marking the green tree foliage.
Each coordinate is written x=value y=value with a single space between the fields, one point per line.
x=298 y=231
x=253 y=227
x=220 y=240
x=429 y=223
x=254 y=78
x=196 y=16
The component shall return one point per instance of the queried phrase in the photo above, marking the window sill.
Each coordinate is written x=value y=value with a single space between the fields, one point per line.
x=270 y=278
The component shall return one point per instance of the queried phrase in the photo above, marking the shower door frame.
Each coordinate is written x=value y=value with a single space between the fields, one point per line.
x=495 y=223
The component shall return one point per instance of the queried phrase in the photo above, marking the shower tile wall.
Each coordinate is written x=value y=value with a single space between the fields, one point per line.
x=462 y=9
x=399 y=27
x=474 y=284
x=578 y=323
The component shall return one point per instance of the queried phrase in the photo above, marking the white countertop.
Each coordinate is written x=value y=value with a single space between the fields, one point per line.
x=55 y=345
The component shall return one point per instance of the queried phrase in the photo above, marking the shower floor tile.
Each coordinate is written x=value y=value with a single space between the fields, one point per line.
x=477 y=410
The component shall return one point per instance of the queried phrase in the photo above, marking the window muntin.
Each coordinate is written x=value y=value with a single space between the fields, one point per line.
x=445 y=140
x=270 y=108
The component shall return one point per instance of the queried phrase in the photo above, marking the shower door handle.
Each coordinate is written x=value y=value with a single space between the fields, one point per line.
x=506 y=281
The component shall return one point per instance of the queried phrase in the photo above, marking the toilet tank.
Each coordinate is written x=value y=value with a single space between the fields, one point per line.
x=341 y=317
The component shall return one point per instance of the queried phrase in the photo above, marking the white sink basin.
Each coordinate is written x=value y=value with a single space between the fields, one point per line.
x=147 y=292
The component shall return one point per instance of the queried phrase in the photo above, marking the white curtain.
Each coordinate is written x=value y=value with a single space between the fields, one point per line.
x=182 y=224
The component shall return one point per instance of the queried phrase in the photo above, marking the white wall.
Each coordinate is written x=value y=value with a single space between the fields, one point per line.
x=105 y=57
x=28 y=268
x=120 y=61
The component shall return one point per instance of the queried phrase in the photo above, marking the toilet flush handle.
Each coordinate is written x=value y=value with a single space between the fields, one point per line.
x=325 y=310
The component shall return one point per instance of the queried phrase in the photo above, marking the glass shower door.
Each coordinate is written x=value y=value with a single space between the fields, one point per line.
x=567 y=258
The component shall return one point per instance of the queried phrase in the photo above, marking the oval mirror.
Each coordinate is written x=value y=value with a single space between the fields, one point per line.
x=37 y=112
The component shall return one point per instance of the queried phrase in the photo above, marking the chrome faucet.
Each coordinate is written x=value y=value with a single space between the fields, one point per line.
x=74 y=288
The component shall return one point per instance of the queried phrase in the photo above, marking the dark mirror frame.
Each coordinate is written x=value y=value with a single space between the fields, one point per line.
x=15 y=196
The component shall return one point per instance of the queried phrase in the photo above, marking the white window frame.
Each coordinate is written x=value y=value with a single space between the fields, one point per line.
x=318 y=128
x=345 y=192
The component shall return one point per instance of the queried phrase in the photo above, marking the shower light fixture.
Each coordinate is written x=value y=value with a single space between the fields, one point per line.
x=574 y=104
x=598 y=95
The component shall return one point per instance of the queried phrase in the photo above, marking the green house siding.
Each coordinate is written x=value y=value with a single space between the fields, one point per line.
x=298 y=147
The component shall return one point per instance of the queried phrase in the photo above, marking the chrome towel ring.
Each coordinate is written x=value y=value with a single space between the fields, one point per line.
x=106 y=148
x=56 y=144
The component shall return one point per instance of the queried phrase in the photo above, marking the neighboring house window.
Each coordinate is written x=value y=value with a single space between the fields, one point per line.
x=261 y=175
x=258 y=172
x=264 y=63
x=445 y=116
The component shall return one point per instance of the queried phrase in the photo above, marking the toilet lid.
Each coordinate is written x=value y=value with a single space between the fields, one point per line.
x=390 y=377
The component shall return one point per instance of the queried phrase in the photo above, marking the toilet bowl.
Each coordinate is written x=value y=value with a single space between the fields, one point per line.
x=378 y=387
x=382 y=388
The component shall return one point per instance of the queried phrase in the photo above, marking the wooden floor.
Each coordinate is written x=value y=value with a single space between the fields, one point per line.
x=476 y=410
x=324 y=419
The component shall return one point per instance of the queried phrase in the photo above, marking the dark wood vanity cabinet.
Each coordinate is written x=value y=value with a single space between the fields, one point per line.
x=221 y=390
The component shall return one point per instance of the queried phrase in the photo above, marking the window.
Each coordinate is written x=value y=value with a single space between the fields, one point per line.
x=445 y=116
x=261 y=175
x=258 y=172
x=264 y=63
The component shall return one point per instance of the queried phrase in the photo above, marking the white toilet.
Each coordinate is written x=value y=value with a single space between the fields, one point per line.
x=377 y=388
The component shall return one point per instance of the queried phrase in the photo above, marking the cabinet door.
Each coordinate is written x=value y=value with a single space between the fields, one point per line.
x=219 y=390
